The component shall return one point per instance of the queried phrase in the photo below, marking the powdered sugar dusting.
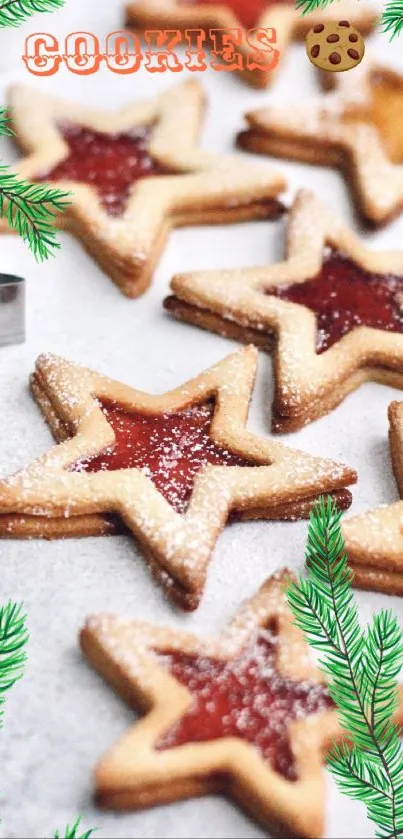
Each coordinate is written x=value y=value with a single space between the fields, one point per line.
x=169 y=449
x=246 y=697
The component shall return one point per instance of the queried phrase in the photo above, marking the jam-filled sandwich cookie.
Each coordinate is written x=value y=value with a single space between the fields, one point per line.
x=357 y=127
x=335 y=46
x=259 y=54
x=374 y=539
x=136 y=173
x=247 y=714
x=173 y=468
x=331 y=313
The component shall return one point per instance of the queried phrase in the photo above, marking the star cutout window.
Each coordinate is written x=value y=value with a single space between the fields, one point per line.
x=170 y=449
x=245 y=697
x=111 y=163
x=343 y=296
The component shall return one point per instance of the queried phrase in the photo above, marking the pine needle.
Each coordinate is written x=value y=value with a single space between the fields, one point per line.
x=392 y=18
x=72 y=832
x=15 y=12
x=30 y=210
x=308 y=6
x=13 y=639
x=361 y=668
x=5 y=126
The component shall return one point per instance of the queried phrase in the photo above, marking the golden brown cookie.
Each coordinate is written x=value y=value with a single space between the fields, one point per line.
x=198 y=694
x=135 y=174
x=174 y=468
x=374 y=539
x=246 y=714
x=335 y=46
x=357 y=128
x=331 y=313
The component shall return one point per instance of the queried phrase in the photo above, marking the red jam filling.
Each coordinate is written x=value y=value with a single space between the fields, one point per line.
x=169 y=448
x=111 y=163
x=246 y=698
x=248 y=12
x=344 y=296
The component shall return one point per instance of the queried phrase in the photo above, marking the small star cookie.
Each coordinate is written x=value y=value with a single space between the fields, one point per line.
x=247 y=714
x=135 y=174
x=174 y=468
x=331 y=313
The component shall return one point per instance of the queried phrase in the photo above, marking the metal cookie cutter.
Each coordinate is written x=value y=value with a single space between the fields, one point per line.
x=12 y=310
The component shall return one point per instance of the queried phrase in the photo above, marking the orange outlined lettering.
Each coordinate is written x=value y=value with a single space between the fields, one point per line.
x=126 y=52
x=263 y=56
x=161 y=57
x=224 y=42
x=41 y=54
x=195 y=40
x=82 y=55
x=123 y=52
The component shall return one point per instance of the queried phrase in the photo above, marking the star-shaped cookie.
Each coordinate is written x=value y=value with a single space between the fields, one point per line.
x=172 y=467
x=136 y=173
x=357 y=127
x=374 y=540
x=247 y=714
x=270 y=26
x=331 y=313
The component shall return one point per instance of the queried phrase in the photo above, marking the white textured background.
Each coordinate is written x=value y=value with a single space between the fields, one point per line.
x=62 y=717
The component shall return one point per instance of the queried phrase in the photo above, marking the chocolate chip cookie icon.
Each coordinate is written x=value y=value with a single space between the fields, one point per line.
x=335 y=46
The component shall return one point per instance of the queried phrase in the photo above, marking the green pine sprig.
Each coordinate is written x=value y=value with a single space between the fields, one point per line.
x=5 y=126
x=30 y=210
x=392 y=18
x=73 y=832
x=15 y=12
x=13 y=640
x=308 y=6
x=361 y=667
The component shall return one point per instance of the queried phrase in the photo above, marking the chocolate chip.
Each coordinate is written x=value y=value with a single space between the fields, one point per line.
x=353 y=38
x=315 y=51
x=353 y=54
x=344 y=23
x=332 y=39
x=334 y=58
x=319 y=27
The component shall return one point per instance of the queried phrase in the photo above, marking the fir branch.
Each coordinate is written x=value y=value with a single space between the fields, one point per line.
x=5 y=126
x=13 y=639
x=392 y=18
x=361 y=667
x=308 y=6
x=30 y=210
x=15 y=12
x=72 y=832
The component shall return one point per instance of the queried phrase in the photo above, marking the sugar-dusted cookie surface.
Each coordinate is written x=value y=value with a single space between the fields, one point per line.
x=357 y=128
x=331 y=313
x=173 y=468
x=374 y=539
x=246 y=714
x=136 y=173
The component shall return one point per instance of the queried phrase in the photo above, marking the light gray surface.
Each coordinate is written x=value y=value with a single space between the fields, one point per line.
x=61 y=717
